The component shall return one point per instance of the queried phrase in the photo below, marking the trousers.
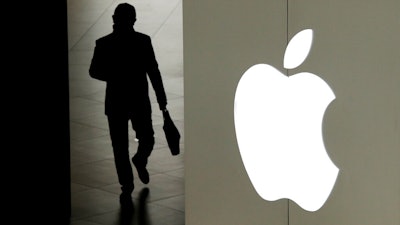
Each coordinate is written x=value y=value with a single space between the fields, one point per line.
x=119 y=133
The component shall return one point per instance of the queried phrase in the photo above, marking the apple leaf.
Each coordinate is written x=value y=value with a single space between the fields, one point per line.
x=298 y=48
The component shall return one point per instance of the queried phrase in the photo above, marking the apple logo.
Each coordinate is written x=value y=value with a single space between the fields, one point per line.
x=278 y=123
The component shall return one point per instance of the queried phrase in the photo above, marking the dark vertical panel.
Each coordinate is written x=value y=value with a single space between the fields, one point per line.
x=36 y=113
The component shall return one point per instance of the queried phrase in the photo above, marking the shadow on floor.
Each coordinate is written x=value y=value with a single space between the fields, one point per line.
x=131 y=215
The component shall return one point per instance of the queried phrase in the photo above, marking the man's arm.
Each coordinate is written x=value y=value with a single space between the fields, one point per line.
x=96 y=69
x=155 y=76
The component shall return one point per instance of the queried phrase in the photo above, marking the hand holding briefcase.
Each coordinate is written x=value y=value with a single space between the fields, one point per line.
x=171 y=133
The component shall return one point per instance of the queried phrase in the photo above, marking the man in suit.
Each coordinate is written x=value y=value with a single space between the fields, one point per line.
x=124 y=59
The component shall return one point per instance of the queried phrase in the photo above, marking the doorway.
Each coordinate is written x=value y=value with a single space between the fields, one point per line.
x=94 y=185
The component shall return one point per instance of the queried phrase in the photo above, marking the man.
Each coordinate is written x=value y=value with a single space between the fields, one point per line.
x=124 y=59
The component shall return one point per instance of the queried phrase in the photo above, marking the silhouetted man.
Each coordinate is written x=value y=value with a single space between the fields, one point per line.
x=124 y=59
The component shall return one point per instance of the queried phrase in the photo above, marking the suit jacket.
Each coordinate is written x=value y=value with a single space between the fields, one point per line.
x=125 y=60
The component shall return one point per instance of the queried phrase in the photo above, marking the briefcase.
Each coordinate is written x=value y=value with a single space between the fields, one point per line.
x=171 y=133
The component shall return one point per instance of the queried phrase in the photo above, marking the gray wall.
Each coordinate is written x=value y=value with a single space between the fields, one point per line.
x=355 y=50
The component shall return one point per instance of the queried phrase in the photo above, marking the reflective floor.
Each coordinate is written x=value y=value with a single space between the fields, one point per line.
x=94 y=184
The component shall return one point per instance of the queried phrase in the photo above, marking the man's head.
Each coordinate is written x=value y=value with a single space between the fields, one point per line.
x=124 y=14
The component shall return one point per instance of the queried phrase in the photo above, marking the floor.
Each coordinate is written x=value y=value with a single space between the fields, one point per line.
x=94 y=184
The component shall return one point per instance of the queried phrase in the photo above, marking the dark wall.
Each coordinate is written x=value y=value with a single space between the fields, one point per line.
x=35 y=110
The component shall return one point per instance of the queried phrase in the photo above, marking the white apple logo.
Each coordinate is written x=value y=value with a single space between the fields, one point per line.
x=278 y=123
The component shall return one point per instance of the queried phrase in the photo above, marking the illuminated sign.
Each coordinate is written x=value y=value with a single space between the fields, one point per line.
x=278 y=123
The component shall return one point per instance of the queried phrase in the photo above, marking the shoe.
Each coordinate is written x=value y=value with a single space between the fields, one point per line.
x=142 y=171
x=127 y=189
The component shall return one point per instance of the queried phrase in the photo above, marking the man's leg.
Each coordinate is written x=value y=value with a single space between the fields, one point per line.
x=144 y=132
x=120 y=142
